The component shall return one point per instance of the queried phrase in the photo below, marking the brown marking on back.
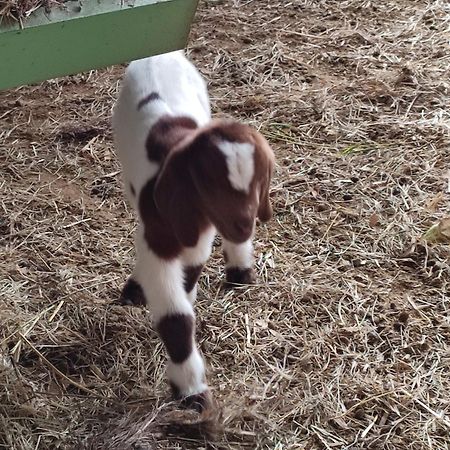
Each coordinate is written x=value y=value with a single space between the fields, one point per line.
x=177 y=334
x=147 y=99
x=191 y=275
x=132 y=190
x=165 y=134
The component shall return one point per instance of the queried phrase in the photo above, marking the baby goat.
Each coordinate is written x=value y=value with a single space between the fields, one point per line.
x=186 y=176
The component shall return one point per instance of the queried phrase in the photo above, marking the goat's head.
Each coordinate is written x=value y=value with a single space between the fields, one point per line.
x=221 y=173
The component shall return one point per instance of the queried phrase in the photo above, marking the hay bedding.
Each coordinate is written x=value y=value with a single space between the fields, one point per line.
x=21 y=9
x=345 y=342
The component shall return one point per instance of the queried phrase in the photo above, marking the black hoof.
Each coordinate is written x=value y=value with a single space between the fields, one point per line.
x=236 y=276
x=132 y=294
x=198 y=402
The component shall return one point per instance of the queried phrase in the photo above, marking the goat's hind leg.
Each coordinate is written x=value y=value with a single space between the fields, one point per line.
x=194 y=259
x=239 y=262
x=132 y=293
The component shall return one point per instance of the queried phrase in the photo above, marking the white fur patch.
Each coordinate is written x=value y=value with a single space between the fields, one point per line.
x=194 y=256
x=240 y=163
x=189 y=375
x=161 y=281
x=198 y=255
x=238 y=255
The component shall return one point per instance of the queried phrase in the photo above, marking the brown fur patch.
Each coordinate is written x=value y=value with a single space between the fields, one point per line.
x=165 y=134
x=191 y=275
x=232 y=131
x=177 y=334
x=177 y=199
x=158 y=234
x=264 y=164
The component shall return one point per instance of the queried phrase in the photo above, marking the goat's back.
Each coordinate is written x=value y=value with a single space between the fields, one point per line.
x=152 y=88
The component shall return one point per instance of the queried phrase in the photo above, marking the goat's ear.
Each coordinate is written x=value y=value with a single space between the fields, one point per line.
x=265 y=211
x=172 y=196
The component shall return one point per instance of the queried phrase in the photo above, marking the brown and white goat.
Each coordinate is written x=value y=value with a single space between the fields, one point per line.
x=187 y=176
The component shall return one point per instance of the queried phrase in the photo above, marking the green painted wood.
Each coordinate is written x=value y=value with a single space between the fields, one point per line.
x=90 y=34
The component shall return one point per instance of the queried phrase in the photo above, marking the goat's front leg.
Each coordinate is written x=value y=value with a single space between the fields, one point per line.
x=161 y=282
x=238 y=262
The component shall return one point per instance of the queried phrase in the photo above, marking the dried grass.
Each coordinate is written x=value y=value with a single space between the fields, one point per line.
x=19 y=10
x=344 y=344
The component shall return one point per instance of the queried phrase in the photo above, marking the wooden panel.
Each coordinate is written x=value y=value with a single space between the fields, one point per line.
x=90 y=34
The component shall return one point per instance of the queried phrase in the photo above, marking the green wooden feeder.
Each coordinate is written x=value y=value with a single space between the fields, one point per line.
x=90 y=34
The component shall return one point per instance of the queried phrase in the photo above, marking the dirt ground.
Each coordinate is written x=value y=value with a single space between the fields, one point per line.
x=344 y=343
